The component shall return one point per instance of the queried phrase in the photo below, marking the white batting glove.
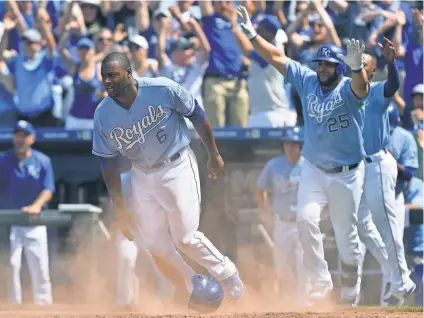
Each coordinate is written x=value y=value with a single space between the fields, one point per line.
x=354 y=57
x=246 y=24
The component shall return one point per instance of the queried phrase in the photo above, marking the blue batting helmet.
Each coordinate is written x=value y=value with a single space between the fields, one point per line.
x=394 y=118
x=293 y=134
x=329 y=53
x=207 y=294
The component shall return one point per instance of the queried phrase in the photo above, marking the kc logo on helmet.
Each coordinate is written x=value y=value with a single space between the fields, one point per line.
x=325 y=52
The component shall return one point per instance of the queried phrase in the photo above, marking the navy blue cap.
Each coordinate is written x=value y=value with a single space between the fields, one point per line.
x=270 y=23
x=24 y=126
x=181 y=43
x=85 y=42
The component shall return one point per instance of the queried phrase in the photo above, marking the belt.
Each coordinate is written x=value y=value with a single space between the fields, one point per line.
x=222 y=76
x=167 y=161
x=376 y=157
x=340 y=169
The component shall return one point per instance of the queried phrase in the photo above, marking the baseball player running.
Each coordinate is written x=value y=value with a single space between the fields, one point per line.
x=144 y=121
x=377 y=207
x=333 y=150
x=280 y=177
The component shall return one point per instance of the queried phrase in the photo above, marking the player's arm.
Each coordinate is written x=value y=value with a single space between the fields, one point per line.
x=110 y=165
x=47 y=182
x=355 y=60
x=204 y=130
x=392 y=84
x=266 y=50
x=262 y=200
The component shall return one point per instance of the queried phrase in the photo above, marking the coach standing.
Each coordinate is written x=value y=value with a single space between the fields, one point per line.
x=26 y=175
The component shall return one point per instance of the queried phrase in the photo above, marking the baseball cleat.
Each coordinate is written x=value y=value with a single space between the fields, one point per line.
x=398 y=298
x=233 y=287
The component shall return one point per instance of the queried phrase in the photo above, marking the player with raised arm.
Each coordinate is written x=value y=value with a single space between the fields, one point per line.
x=377 y=207
x=143 y=121
x=333 y=150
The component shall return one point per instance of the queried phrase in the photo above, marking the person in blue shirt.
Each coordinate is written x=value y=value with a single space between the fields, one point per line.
x=26 y=176
x=414 y=240
x=224 y=84
x=33 y=72
x=333 y=173
x=279 y=180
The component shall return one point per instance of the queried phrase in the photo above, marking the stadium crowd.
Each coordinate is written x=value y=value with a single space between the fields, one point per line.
x=51 y=51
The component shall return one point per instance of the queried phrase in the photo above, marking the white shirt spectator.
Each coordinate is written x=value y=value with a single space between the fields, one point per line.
x=269 y=102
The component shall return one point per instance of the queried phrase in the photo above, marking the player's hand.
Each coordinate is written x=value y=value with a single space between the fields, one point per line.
x=124 y=222
x=215 y=166
x=32 y=209
x=388 y=50
x=246 y=24
x=354 y=57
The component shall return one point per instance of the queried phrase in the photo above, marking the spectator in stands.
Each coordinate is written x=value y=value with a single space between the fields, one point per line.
x=412 y=54
x=94 y=13
x=88 y=87
x=26 y=175
x=103 y=42
x=323 y=32
x=72 y=22
x=223 y=83
x=7 y=105
x=269 y=104
x=141 y=65
x=161 y=22
x=299 y=30
x=188 y=59
x=32 y=70
x=130 y=16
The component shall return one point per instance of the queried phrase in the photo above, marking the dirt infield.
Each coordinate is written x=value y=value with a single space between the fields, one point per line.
x=58 y=311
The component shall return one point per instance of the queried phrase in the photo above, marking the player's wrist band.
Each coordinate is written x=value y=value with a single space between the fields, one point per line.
x=357 y=71
x=254 y=37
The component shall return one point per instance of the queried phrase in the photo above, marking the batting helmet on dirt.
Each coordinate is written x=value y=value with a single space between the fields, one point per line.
x=329 y=53
x=207 y=294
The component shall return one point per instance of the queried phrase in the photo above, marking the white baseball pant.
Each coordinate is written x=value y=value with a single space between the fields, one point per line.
x=342 y=192
x=167 y=211
x=33 y=241
x=288 y=258
x=400 y=214
x=377 y=209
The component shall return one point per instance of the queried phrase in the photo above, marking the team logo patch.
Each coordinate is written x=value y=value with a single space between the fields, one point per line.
x=127 y=138
x=319 y=109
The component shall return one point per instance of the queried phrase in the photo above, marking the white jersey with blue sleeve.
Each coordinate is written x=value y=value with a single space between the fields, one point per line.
x=376 y=131
x=333 y=119
x=404 y=149
x=152 y=130
x=281 y=179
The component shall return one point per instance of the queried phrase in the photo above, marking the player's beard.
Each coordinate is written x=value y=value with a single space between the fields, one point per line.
x=330 y=81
